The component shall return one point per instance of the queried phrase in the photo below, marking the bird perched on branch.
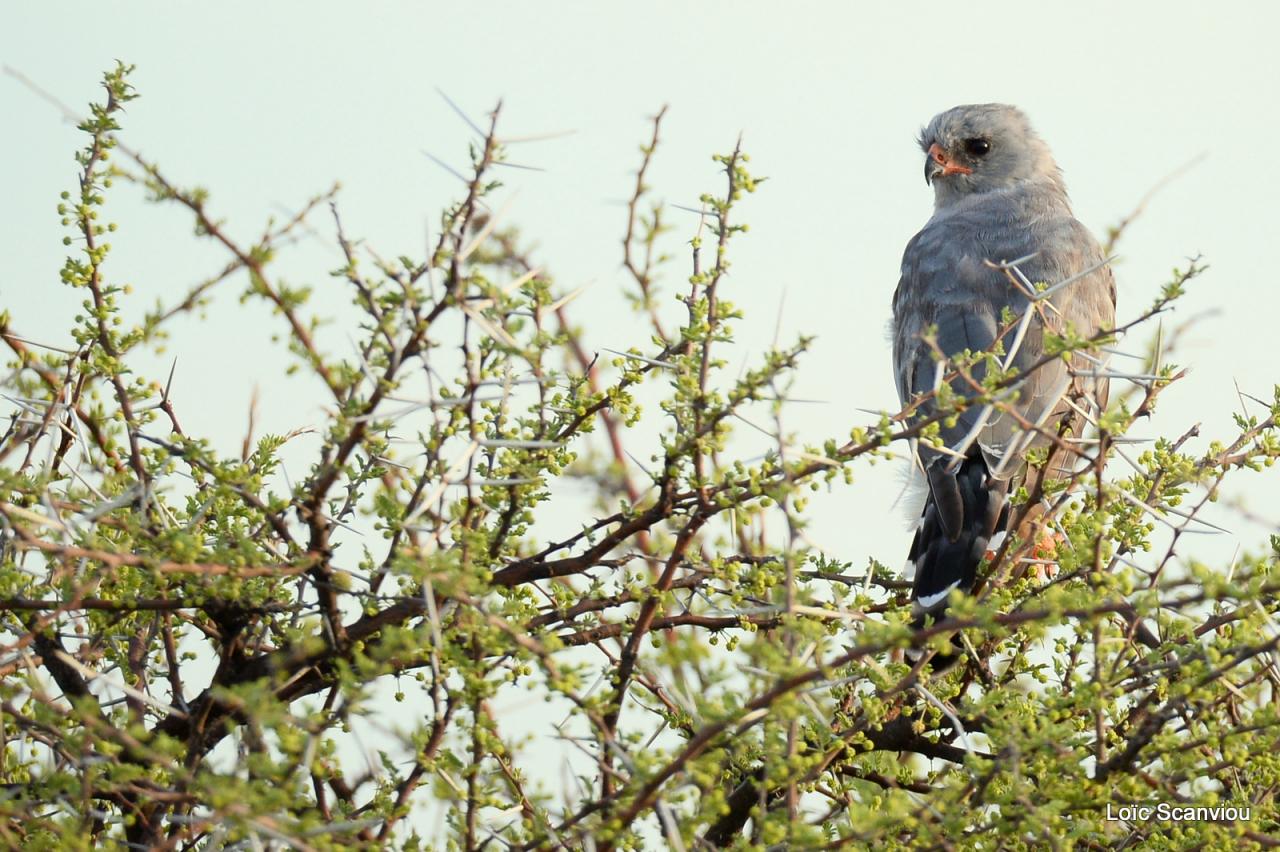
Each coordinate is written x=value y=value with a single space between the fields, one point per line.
x=1002 y=225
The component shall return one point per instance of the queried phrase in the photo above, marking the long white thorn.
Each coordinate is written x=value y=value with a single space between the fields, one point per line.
x=1084 y=273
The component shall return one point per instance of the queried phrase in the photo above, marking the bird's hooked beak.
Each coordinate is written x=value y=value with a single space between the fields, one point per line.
x=939 y=165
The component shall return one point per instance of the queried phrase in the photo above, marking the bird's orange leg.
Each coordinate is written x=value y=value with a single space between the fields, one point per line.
x=1045 y=552
x=1046 y=548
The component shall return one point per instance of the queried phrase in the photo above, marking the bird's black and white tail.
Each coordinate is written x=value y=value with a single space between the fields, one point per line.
x=966 y=514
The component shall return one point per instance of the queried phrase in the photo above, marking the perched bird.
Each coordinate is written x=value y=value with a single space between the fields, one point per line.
x=998 y=198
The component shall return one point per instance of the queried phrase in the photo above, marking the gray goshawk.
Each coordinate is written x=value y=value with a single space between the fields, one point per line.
x=998 y=197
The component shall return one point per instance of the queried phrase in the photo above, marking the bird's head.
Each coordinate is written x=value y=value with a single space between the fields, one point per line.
x=979 y=148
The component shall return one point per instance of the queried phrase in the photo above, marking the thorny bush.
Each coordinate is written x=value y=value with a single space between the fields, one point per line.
x=190 y=639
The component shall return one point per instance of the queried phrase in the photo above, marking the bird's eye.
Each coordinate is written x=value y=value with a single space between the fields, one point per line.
x=977 y=147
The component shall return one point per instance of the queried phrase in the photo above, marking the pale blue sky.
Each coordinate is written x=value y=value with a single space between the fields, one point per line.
x=268 y=103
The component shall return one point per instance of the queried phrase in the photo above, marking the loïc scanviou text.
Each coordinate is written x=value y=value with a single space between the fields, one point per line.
x=1165 y=812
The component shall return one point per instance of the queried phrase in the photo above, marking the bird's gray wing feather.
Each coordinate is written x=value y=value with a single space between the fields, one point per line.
x=949 y=285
